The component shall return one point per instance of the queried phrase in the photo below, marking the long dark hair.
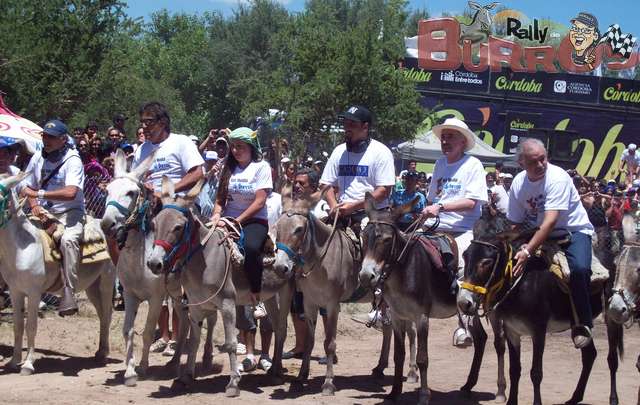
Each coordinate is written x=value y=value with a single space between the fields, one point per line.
x=229 y=167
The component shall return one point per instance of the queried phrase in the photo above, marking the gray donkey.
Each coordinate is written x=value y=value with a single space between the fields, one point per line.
x=624 y=303
x=480 y=26
x=210 y=280
x=415 y=291
x=328 y=275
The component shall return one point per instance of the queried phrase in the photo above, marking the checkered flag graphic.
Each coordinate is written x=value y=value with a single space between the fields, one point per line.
x=621 y=44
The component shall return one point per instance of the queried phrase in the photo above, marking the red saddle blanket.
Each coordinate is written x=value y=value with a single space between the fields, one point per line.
x=439 y=250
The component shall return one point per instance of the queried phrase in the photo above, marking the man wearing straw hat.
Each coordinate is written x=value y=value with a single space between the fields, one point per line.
x=456 y=194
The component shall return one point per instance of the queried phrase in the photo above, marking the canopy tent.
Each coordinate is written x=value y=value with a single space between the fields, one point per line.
x=21 y=129
x=426 y=148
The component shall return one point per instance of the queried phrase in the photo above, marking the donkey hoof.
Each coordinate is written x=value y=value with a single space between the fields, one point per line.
x=207 y=362
x=27 y=370
x=501 y=398
x=100 y=358
x=131 y=381
x=328 y=389
x=412 y=377
x=377 y=373
x=232 y=392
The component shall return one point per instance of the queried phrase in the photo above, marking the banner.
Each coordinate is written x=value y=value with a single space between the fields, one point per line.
x=601 y=135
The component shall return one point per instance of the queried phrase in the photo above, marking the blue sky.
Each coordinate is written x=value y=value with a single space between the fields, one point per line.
x=623 y=12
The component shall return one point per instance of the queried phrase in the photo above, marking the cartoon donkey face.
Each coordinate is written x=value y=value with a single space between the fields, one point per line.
x=482 y=16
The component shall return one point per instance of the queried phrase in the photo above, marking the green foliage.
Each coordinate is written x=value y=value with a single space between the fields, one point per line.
x=84 y=60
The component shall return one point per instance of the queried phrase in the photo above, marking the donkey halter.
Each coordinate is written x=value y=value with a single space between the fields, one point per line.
x=296 y=256
x=137 y=213
x=490 y=289
x=184 y=245
x=5 y=214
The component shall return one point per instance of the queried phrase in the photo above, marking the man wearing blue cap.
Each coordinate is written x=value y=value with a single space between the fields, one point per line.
x=55 y=185
x=8 y=150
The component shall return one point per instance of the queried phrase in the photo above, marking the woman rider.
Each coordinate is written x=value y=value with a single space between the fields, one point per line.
x=245 y=183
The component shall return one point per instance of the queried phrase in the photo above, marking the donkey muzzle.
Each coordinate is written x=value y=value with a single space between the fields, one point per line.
x=618 y=310
x=466 y=302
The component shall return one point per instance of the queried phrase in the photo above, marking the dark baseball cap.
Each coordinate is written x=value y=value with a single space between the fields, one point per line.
x=357 y=113
x=55 y=128
x=587 y=19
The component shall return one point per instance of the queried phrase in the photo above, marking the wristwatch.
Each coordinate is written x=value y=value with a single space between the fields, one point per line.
x=41 y=194
x=441 y=206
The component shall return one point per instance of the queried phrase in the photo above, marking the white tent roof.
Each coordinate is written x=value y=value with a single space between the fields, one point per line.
x=426 y=148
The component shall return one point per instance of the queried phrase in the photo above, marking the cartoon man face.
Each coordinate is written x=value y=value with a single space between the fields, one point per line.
x=582 y=36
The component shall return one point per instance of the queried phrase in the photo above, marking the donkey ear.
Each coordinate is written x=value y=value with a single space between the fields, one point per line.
x=143 y=167
x=120 y=164
x=12 y=181
x=195 y=190
x=168 y=188
x=508 y=236
x=491 y=6
x=369 y=203
x=474 y=5
x=405 y=208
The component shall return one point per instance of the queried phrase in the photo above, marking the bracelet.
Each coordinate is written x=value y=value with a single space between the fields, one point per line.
x=41 y=194
x=526 y=251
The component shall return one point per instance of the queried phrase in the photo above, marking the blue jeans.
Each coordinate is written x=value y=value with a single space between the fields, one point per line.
x=579 y=258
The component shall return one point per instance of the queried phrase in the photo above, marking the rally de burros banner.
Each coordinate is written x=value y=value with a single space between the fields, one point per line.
x=510 y=74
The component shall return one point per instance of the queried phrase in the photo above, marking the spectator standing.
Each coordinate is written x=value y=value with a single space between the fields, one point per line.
x=409 y=192
x=631 y=159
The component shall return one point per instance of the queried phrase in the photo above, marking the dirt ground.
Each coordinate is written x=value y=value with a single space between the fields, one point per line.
x=66 y=373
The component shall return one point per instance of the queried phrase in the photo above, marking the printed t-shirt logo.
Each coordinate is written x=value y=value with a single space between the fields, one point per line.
x=353 y=171
x=535 y=205
x=448 y=185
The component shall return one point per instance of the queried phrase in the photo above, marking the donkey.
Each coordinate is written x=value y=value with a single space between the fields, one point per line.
x=28 y=276
x=533 y=305
x=210 y=282
x=415 y=291
x=125 y=216
x=480 y=26
x=328 y=275
x=624 y=303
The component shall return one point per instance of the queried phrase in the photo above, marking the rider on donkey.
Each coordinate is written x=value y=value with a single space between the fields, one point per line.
x=176 y=156
x=456 y=194
x=357 y=166
x=544 y=196
x=55 y=184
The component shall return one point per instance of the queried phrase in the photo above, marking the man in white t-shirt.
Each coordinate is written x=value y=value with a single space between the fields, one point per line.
x=55 y=184
x=543 y=196
x=305 y=184
x=457 y=191
x=357 y=166
x=631 y=158
x=176 y=157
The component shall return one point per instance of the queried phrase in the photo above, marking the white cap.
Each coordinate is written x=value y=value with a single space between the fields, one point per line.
x=309 y=159
x=505 y=176
x=285 y=160
x=632 y=146
x=211 y=155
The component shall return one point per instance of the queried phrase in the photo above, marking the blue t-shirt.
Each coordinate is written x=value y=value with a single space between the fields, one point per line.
x=405 y=197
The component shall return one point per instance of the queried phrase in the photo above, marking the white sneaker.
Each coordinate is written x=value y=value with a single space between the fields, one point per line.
x=264 y=363
x=158 y=346
x=462 y=339
x=375 y=319
x=581 y=336
x=259 y=311
x=241 y=349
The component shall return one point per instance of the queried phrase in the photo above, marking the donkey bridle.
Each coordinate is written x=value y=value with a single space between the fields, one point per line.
x=490 y=289
x=183 y=247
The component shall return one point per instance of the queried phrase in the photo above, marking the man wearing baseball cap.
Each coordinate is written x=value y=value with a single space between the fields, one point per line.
x=55 y=184
x=456 y=194
x=631 y=158
x=357 y=166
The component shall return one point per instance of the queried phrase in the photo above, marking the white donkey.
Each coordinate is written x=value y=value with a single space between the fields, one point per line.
x=125 y=216
x=25 y=272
